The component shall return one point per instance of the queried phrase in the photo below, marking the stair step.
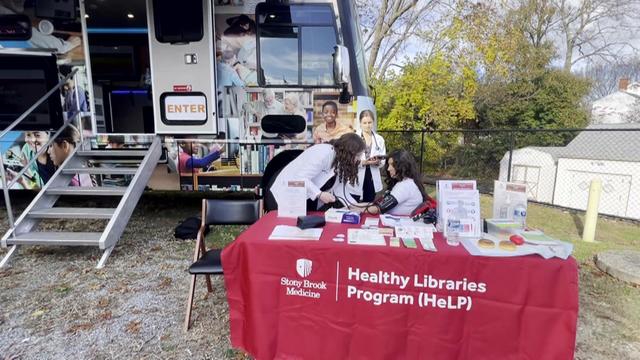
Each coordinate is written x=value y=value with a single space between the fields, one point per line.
x=80 y=190
x=100 y=171
x=114 y=161
x=72 y=213
x=56 y=238
x=112 y=153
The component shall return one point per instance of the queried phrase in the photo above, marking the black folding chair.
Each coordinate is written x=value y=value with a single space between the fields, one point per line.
x=207 y=262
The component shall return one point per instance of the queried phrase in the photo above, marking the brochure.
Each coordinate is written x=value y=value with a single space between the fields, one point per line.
x=409 y=243
x=461 y=213
x=420 y=232
x=365 y=237
x=393 y=221
x=445 y=186
x=287 y=232
x=371 y=222
x=428 y=245
x=509 y=200
x=296 y=200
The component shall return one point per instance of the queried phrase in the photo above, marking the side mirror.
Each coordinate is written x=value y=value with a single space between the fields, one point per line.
x=341 y=72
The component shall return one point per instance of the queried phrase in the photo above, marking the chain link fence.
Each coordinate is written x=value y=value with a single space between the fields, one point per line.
x=557 y=165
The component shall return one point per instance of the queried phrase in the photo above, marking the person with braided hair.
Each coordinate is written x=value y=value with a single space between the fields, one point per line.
x=319 y=165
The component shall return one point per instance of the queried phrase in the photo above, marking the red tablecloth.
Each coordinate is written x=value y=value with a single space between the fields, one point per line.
x=284 y=302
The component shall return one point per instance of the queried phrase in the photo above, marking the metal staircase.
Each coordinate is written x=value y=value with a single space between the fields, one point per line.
x=140 y=164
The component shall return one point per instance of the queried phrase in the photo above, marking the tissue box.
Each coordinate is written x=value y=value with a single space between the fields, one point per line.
x=341 y=216
x=502 y=228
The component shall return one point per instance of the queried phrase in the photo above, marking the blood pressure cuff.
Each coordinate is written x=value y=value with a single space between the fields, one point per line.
x=386 y=203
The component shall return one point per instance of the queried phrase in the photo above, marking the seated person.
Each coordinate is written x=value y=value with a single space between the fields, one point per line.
x=62 y=147
x=187 y=161
x=404 y=184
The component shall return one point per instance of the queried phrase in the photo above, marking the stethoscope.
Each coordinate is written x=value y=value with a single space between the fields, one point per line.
x=373 y=135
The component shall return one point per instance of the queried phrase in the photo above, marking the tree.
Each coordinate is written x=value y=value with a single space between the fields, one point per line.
x=592 y=30
x=388 y=25
x=431 y=94
x=633 y=116
x=536 y=19
x=606 y=76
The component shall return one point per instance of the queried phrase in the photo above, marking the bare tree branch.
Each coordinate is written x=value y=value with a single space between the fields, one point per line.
x=594 y=29
x=388 y=25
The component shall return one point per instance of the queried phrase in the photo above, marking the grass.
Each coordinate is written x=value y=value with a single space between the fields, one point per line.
x=613 y=304
x=609 y=308
x=567 y=225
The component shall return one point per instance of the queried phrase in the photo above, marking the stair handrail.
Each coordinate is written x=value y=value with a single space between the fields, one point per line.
x=37 y=103
x=3 y=174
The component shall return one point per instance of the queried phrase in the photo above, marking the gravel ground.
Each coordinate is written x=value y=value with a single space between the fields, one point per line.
x=54 y=304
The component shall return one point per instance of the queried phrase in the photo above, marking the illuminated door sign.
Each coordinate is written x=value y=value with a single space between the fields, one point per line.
x=184 y=108
x=182 y=88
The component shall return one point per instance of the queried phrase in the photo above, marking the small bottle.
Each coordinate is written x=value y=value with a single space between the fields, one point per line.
x=505 y=209
x=520 y=215
x=453 y=239
x=453 y=232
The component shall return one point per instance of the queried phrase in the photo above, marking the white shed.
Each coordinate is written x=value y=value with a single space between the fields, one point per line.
x=562 y=175
x=613 y=157
x=534 y=166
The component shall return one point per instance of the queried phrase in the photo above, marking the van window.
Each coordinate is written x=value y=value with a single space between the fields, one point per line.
x=178 y=24
x=296 y=44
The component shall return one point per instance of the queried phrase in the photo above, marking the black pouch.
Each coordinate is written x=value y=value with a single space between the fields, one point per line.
x=310 y=221
x=188 y=229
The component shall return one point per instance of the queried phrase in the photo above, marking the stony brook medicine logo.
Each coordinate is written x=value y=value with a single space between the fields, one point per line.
x=302 y=285
x=303 y=267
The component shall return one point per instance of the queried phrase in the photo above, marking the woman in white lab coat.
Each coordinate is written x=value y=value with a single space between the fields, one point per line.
x=369 y=171
x=318 y=164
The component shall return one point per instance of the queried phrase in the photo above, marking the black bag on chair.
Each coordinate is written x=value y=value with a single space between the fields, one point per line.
x=188 y=229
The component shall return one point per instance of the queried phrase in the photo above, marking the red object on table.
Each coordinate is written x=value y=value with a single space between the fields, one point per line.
x=528 y=310
x=516 y=239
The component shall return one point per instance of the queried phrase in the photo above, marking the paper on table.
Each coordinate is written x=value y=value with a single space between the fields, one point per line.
x=412 y=231
x=559 y=249
x=508 y=197
x=444 y=186
x=427 y=244
x=370 y=222
x=293 y=201
x=365 y=237
x=286 y=232
x=461 y=213
x=393 y=221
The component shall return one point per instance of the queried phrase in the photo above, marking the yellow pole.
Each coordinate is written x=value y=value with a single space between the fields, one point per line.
x=591 y=217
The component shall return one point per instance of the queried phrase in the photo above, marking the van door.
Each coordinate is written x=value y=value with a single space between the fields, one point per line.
x=182 y=66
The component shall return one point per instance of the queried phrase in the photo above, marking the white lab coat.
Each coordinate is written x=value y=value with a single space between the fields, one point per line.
x=377 y=148
x=314 y=166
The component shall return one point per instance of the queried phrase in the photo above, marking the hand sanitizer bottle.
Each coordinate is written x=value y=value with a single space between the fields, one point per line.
x=505 y=209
